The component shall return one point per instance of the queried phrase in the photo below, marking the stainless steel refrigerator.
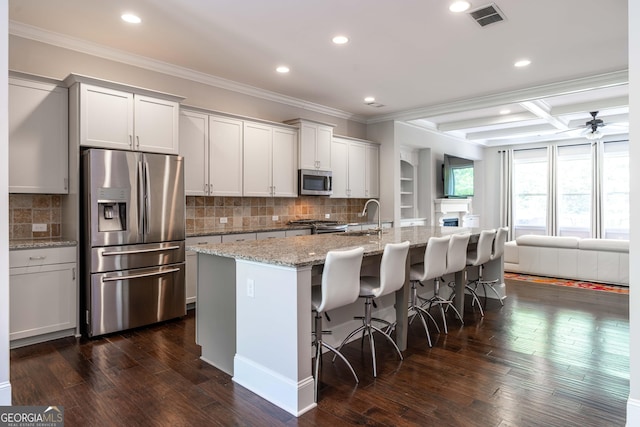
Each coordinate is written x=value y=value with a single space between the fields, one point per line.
x=133 y=262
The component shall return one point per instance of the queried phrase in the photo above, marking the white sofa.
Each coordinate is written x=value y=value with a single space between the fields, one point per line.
x=596 y=260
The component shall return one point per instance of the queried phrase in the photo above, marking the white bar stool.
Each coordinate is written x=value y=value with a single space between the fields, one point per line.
x=479 y=257
x=498 y=251
x=456 y=261
x=340 y=286
x=433 y=267
x=392 y=275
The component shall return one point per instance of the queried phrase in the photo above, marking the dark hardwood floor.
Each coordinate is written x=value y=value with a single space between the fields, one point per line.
x=552 y=356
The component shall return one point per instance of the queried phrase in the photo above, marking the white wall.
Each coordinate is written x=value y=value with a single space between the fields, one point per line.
x=5 y=385
x=633 y=406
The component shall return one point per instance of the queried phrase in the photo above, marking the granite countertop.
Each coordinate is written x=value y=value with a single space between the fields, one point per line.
x=312 y=250
x=40 y=243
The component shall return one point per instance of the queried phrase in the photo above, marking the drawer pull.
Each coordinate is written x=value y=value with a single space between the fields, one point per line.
x=139 y=276
x=141 y=251
x=37 y=258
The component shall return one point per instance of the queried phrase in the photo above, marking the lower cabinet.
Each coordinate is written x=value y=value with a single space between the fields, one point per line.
x=42 y=294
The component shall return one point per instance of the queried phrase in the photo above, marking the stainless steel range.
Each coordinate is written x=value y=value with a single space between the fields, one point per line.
x=320 y=226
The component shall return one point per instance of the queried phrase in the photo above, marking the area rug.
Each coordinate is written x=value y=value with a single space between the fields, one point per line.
x=567 y=282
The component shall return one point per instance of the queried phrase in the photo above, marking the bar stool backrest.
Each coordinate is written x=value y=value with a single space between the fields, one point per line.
x=392 y=268
x=498 y=243
x=340 y=278
x=435 y=257
x=457 y=252
x=484 y=249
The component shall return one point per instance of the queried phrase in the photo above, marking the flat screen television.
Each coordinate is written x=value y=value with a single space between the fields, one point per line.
x=457 y=176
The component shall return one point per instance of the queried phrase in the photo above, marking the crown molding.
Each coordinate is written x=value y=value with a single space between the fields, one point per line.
x=615 y=78
x=72 y=43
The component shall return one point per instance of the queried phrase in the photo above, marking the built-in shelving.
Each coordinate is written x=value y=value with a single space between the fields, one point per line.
x=407 y=190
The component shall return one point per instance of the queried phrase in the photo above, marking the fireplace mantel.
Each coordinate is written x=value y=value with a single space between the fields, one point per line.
x=452 y=208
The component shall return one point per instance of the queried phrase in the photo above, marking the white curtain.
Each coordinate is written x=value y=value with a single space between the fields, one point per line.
x=596 y=194
x=552 y=195
x=506 y=191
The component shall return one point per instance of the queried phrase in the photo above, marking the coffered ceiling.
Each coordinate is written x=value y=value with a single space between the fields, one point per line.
x=421 y=62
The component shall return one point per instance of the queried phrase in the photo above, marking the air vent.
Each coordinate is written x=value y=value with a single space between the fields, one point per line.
x=486 y=15
x=374 y=104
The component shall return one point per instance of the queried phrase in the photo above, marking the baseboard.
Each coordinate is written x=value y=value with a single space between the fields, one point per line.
x=633 y=412
x=294 y=397
x=5 y=394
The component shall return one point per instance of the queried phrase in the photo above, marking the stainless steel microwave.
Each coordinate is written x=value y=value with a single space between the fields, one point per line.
x=314 y=182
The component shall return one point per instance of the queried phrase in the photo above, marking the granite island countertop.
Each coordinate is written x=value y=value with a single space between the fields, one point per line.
x=265 y=228
x=312 y=250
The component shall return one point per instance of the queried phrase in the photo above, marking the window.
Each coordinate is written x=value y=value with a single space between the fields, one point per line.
x=530 y=191
x=573 y=190
x=615 y=190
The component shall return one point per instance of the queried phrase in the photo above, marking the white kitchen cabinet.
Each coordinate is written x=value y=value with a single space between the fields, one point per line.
x=191 y=271
x=42 y=294
x=115 y=116
x=269 y=166
x=212 y=151
x=240 y=237
x=372 y=171
x=314 y=144
x=38 y=137
x=264 y=235
x=355 y=168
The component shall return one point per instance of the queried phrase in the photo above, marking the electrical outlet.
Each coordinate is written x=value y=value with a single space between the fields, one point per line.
x=223 y=220
x=327 y=216
x=251 y=288
x=38 y=227
x=274 y=218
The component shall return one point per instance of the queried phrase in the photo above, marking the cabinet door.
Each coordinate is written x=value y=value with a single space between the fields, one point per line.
x=191 y=270
x=308 y=138
x=38 y=138
x=225 y=156
x=339 y=160
x=285 y=177
x=372 y=171
x=257 y=160
x=323 y=147
x=194 y=147
x=356 y=169
x=156 y=125
x=41 y=299
x=106 y=118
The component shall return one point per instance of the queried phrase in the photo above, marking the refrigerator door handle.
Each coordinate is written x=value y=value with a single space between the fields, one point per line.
x=147 y=198
x=138 y=276
x=141 y=190
x=141 y=251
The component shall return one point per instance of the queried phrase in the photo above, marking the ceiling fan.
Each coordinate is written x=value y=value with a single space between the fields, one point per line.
x=592 y=126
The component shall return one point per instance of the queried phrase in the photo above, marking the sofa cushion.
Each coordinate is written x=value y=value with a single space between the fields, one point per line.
x=548 y=241
x=607 y=245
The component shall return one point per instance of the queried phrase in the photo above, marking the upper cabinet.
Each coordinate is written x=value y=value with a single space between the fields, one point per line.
x=355 y=168
x=314 y=144
x=38 y=136
x=269 y=161
x=110 y=115
x=212 y=150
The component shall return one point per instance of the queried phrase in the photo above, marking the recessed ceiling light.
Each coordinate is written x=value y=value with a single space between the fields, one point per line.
x=505 y=111
x=522 y=63
x=131 y=18
x=369 y=99
x=459 y=6
x=340 y=39
x=283 y=69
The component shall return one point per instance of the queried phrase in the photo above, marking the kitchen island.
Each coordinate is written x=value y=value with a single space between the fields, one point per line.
x=253 y=316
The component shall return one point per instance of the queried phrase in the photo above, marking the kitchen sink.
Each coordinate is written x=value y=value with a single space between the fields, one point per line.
x=360 y=233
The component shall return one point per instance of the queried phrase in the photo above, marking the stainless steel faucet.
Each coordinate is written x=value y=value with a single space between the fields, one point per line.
x=379 y=229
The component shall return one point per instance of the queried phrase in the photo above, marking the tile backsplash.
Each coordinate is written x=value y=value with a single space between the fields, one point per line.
x=28 y=209
x=204 y=213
